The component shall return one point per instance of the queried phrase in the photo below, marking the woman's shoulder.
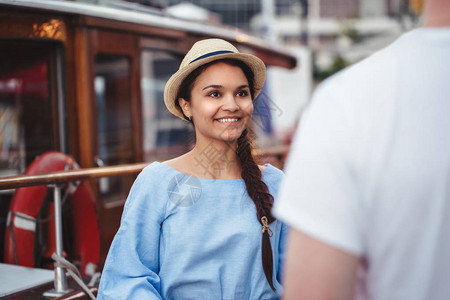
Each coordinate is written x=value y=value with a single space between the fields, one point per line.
x=153 y=176
x=156 y=170
x=146 y=190
x=272 y=173
x=273 y=177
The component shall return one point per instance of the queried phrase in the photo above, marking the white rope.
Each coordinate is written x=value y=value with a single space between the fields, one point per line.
x=73 y=271
x=95 y=279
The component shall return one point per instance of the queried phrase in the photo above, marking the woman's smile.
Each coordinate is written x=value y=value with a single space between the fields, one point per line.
x=229 y=120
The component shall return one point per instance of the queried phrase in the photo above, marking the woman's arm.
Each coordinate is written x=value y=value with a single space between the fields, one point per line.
x=132 y=266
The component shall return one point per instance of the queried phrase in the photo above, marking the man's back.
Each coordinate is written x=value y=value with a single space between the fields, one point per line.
x=370 y=172
x=404 y=163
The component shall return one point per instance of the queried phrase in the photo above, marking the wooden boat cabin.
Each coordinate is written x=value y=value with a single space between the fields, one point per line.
x=87 y=80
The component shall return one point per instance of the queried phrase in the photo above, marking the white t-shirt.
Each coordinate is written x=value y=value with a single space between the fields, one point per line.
x=369 y=170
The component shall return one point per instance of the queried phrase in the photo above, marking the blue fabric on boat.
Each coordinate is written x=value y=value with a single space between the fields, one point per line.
x=183 y=237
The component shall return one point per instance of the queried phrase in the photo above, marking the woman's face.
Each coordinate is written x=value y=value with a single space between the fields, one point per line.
x=221 y=105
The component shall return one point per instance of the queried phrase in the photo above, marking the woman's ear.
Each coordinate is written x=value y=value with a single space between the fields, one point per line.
x=185 y=107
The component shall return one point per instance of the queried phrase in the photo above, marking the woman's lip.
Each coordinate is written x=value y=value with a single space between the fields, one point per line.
x=228 y=120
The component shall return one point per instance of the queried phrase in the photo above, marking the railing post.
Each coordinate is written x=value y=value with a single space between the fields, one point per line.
x=60 y=276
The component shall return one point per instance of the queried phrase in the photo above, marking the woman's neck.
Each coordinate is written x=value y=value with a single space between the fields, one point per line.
x=215 y=159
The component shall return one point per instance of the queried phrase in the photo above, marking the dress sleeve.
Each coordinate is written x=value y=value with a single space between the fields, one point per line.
x=131 y=268
x=282 y=251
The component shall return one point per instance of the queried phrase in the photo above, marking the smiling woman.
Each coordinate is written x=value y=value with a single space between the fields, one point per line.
x=200 y=226
x=219 y=102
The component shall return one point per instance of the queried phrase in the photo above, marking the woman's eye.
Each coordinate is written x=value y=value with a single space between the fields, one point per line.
x=243 y=93
x=214 y=94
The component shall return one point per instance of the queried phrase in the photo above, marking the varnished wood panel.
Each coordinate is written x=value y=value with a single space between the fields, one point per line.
x=111 y=42
x=26 y=25
x=132 y=28
x=136 y=102
x=84 y=97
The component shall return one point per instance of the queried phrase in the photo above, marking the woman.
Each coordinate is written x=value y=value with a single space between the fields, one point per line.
x=199 y=226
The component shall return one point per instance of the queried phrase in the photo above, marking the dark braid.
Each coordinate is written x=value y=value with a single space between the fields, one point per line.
x=259 y=193
x=256 y=188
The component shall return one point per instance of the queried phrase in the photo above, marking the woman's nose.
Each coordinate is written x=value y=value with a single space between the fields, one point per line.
x=230 y=103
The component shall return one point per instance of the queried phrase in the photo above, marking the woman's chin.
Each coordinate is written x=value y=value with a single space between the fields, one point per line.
x=231 y=135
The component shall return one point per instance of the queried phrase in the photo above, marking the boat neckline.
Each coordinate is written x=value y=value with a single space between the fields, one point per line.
x=267 y=166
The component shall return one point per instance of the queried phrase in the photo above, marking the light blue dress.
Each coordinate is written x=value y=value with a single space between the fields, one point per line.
x=183 y=237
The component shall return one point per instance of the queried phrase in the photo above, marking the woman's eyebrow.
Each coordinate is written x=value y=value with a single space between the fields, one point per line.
x=215 y=86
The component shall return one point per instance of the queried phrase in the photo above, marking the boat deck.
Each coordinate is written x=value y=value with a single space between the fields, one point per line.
x=18 y=282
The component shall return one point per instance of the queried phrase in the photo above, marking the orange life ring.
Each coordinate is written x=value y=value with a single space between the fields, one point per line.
x=31 y=217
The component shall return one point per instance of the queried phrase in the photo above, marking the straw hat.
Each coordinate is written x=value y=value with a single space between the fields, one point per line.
x=203 y=52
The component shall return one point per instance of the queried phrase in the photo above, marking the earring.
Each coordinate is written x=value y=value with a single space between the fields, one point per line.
x=189 y=118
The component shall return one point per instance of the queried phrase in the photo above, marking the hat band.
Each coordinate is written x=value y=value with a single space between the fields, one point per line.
x=211 y=54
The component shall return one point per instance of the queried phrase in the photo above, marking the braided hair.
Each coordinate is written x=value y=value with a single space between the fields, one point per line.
x=259 y=193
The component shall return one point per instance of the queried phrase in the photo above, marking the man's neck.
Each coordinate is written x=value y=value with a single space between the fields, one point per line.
x=437 y=13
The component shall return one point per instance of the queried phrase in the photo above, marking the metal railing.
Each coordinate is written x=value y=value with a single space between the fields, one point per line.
x=61 y=177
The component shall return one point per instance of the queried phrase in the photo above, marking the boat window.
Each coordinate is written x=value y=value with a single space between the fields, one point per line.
x=114 y=118
x=164 y=135
x=28 y=106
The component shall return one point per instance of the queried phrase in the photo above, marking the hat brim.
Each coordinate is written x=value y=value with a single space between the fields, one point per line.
x=255 y=64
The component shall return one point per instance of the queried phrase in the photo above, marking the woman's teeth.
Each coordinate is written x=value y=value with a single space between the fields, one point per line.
x=227 y=120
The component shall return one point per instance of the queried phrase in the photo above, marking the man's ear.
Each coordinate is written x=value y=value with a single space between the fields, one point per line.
x=185 y=107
